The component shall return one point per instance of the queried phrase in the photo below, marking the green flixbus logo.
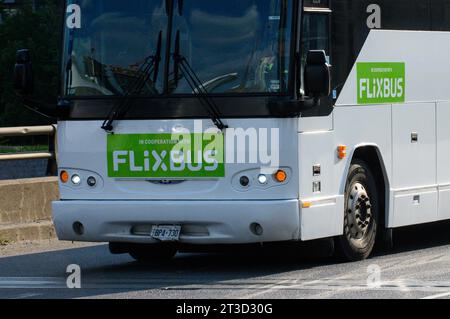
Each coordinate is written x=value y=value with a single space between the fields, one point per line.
x=382 y=82
x=166 y=155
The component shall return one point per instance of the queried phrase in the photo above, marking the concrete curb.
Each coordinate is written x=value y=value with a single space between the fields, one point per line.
x=26 y=232
x=25 y=209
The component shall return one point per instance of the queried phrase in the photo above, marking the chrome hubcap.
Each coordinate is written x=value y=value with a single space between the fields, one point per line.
x=359 y=212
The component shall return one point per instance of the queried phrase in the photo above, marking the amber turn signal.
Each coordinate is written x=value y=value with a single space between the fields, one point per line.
x=64 y=177
x=280 y=176
x=306 y=205
x=342 y=151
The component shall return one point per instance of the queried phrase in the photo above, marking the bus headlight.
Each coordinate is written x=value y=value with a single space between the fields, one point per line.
x=76 y=179
x=262 y=179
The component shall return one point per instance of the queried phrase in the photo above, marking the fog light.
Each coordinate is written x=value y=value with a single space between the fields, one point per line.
x=91 y=181
x=262 y=179
x=78 y=228
x=257 y=229
x=245 y=181
x=76 y=179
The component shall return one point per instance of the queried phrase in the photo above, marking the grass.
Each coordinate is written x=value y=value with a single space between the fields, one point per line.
x=5 y=149
x=4 y=242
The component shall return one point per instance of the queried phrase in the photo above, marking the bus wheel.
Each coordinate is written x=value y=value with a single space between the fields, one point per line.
x=152 y=253
x=361 y=214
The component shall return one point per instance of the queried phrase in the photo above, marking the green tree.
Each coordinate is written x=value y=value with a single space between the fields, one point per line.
x=37 y=29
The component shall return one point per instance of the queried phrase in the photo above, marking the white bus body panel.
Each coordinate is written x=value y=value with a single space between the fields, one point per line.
x=417 y=174
x=325 y=217
x=204 y=222
x=418 y=192
x=414 y=170
x=443 y=159
x=212 y=211
x=82 y=147
x=425 y=54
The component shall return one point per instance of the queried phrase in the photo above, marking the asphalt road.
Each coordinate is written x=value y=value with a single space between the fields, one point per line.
x=418 y=267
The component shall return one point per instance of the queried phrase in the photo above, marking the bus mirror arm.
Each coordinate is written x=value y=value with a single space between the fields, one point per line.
x=317 y=76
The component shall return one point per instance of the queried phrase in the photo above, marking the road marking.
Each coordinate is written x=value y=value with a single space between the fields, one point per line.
x=32 y=282
x=27 y=296
x=267 y=289
x=250 y=288
x=446 y=294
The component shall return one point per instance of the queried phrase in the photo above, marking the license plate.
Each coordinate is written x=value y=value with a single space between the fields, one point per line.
x=166 y=233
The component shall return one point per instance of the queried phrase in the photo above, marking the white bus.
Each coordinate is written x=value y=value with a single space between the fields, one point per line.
x=328 y=119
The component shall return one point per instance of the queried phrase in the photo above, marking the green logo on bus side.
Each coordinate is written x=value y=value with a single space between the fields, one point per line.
x=165 y=156
x=382 y=82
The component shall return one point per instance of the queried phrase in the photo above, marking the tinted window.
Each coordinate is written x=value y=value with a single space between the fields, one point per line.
x=105 y=53
x=440 y=11
x=316 y=3
x=236 y=46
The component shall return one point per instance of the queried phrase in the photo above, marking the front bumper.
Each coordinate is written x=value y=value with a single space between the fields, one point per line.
x=203 y=222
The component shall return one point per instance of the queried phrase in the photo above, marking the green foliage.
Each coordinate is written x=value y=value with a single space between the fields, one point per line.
x=39 y=31
x=4 y=242
x=23 y=149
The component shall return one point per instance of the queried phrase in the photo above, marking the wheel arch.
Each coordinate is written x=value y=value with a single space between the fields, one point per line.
x=370 y=153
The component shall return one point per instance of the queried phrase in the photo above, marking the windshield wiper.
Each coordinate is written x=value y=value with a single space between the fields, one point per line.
x=69 y=64
x=149 y=68
x=197 y=86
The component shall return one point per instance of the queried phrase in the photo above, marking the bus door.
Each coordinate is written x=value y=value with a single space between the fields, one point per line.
x=316 y=35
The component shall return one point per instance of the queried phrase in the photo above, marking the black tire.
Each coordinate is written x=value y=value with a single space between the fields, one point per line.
x=362 y=213
x=385 y=240
x=152 y=253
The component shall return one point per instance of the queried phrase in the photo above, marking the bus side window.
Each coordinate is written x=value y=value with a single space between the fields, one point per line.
x=315 y=35
x=440 y=14
x=316 y=32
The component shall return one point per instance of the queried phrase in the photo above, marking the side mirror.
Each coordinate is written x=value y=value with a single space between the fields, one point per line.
x=23 y=73
x=317 y=75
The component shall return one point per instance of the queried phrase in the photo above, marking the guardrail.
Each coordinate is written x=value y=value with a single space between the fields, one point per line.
x=49 y=130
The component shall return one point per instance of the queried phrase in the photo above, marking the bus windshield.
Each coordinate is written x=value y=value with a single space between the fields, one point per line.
x=233 y=46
